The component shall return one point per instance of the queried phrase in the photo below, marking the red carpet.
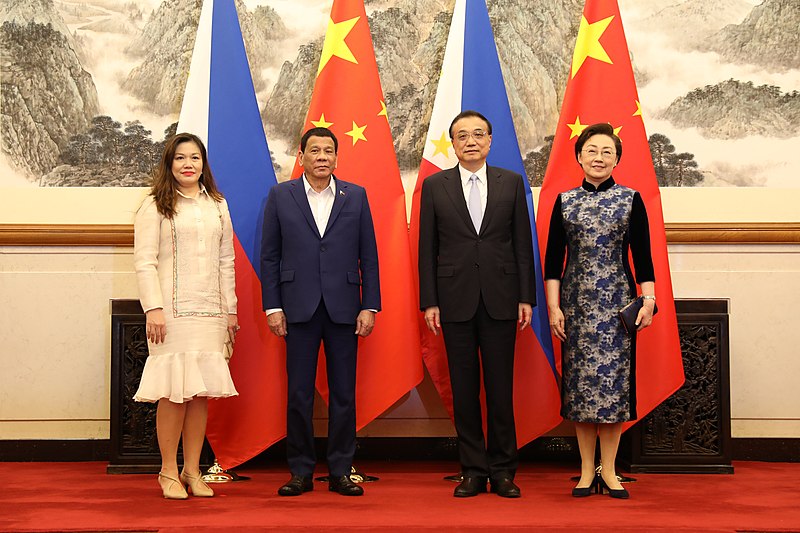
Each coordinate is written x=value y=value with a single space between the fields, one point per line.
x=51 y=497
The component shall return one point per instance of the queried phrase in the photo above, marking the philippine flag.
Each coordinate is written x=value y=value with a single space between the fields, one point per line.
x=471 y=79
x=220 y=107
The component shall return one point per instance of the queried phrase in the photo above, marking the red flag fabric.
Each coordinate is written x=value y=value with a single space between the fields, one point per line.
x=348 y=99
x=601 y=88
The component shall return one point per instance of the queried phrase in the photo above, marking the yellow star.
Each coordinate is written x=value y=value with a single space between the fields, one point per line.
x=334 y=44
x=617 y=130
x=357 y=133
x=322 y=123
x=383 y=112
x=638 y=112
x=577 y=128
x=442 y=145
x=588 y=43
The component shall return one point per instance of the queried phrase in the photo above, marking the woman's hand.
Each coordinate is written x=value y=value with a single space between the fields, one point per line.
x=645 y=316
x=156 y=326
x=233 y=327
x=557 y=323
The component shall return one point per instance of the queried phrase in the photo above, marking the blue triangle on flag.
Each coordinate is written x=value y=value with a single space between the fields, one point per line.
x=484 y=91
x=237 y=146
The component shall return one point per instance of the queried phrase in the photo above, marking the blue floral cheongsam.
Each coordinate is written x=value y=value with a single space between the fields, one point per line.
x=595 y=227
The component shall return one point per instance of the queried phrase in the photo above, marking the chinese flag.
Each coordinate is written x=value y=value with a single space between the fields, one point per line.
x=348 y=99
x=601 y=88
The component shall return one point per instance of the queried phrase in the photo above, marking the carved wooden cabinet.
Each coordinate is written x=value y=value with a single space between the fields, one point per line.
x=134 y=448
x=691 y=430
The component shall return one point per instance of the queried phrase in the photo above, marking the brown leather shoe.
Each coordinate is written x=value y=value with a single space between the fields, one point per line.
x=344 y=486
x=505 y=487
x=297 y=486
x=470 y=486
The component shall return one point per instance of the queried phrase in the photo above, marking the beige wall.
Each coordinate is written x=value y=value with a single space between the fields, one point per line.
x=55 y=323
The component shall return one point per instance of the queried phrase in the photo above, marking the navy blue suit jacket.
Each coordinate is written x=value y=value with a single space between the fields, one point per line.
x=299 y=267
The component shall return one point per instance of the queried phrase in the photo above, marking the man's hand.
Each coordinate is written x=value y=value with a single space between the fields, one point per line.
x=277 y=323
x=365 y=322
x=432 y=319
x=524 y=313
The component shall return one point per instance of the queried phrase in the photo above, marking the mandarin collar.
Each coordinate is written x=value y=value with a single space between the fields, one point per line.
x=201 y=191
x=607 y=184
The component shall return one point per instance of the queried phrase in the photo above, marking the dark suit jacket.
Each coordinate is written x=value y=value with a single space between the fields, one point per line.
x=457 y=265
x=298 y=267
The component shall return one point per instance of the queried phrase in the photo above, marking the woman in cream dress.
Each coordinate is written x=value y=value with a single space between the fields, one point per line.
x=183 y=255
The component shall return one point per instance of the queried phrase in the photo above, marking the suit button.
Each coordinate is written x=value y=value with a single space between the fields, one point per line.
x=477 y=265
x=321 y=248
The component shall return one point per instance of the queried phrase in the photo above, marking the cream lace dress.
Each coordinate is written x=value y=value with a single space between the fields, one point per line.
x=185 y=266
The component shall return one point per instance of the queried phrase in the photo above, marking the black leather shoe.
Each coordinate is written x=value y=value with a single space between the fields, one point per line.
x=344 y=486
x=297 y=486
x=470 y=486
x=505 y=487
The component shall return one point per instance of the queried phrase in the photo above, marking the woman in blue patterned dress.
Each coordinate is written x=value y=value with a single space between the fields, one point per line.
x=594 y=226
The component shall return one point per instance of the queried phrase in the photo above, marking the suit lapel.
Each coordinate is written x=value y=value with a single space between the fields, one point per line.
x=452 y=185
x=494 y=191
x=339 y=199
x=298 y=191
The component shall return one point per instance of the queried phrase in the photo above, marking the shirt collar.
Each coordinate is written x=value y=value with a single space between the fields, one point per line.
x=331 y=186
x=607 y=184
x=467 y=174
x=202 y=191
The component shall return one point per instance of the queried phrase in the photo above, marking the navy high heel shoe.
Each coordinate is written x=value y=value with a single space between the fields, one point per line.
x=583 y=492
x=621 y=494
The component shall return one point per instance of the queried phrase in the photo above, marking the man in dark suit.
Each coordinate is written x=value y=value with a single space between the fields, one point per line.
x=477 y=283
x=319 y=272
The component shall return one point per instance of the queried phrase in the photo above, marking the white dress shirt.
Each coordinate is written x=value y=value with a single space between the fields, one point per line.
x=467 y=186
x=321 y=203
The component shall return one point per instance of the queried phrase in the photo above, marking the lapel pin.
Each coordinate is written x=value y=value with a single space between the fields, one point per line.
x=341 y=193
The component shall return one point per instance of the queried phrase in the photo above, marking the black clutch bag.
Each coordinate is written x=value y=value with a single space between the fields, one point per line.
x=630 y=312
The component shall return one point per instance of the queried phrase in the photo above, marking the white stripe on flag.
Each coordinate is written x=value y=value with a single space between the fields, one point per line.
x=447 y=103
x=194 y=108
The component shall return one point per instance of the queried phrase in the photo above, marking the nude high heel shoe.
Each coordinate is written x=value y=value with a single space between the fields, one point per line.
x=197 y=485
x=171 y=487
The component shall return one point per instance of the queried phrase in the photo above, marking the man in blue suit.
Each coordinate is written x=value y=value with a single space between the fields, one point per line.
x=319 y=272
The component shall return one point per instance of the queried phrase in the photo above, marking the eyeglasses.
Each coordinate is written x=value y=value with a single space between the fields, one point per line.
x=478 y=135
x=605 y=154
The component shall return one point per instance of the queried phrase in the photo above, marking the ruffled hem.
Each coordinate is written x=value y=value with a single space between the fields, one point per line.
x=179 y=377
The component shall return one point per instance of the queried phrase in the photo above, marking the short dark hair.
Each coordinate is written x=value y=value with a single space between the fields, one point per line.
x=318 y=132
x=470 y=113
x=601 y=128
